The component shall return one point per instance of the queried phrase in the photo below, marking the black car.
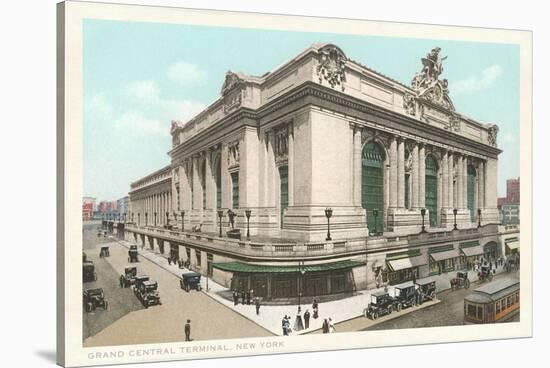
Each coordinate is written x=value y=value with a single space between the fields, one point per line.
x=190 y=280
x=405 y=295
x=88 y=271
x=129 y=276
x=148 y=293
x=104 y=252
x=138 y=281
x=94 y=298
x=425 y=289
x=133 y=255
x=381 y=304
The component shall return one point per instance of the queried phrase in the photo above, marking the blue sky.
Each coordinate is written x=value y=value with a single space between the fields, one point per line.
x=140 y=76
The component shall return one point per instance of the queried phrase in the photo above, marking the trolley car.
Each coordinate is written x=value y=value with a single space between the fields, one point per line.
x=493 y=303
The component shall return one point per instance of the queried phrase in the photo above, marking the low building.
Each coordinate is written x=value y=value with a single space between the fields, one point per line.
x=344 y=178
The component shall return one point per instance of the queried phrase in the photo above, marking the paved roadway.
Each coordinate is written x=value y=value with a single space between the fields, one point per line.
x=132 y=324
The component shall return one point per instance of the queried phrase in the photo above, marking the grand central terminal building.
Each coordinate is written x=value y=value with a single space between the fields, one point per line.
x=339 y=179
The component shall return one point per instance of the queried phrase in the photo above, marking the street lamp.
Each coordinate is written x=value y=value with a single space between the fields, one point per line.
x=423 y=213
x=182 y=220
x=220 y=215
x=247 y=213
x=328 y=214
x=375 y=214
x=298 y=324
x=139 y=222
x=479 y=217
x=454 y=213
x=155 y=214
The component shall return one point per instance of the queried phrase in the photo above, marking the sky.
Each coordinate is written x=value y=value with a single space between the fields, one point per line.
x=138 y=77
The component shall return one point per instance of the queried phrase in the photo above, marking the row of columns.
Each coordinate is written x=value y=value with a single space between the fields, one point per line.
x=159 y=203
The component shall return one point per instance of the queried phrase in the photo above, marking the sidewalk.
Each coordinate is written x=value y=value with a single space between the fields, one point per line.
x=270 y=316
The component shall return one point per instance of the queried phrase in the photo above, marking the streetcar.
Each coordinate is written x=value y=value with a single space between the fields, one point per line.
x=493 y=303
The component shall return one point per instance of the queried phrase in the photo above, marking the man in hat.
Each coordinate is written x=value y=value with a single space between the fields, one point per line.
x=188 y=330
x=306 y=319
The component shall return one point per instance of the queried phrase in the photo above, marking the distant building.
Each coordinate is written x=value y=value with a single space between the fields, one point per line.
x=512 y=191
x=122 y=206
x=510 y=214
x=509 y=206
x=107 y=208
x=88 y=207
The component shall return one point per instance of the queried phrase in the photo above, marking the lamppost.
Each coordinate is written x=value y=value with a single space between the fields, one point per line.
x=479 y=217
x=328 y=214
x=220 y=215
x=423 y=213
x=182 y=220
x=298 y=324
x=375 y=214
x=155 y=214
x=146 y=222
x=247 y=213
x=139 y=222
x=454 y=213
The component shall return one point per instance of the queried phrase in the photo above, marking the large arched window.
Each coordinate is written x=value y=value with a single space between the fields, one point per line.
x=372 y=188
x=431 y=189
x=470 y=190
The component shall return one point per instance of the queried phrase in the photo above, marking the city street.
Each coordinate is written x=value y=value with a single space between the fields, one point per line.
x=127 y=322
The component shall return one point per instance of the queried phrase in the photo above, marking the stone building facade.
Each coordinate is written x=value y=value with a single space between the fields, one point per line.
x=323 y=131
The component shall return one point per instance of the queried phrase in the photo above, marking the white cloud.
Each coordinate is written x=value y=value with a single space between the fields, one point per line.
x=477 y=82
x=182 y=110
x=507 y=138
x=147 y=91
x=98 y=106
x=134 y=121
x=185 y=72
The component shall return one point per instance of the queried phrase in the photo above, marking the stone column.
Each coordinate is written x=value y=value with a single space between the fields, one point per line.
x=422 y=176
x=210 y=183
x=460 y=183
x=291 y=164
x=415 y=176
x=197 y=188
x=445 y=181
x=357 y=166
x=450 y=192
x=465 y=182
x=393 y=172
x=481 y=185
x=401 y=173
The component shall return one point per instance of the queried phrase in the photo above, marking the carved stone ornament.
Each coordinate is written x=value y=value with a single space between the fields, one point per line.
x=331 y=66
x=281 y=144
x=427 y=84
x=176 y=175
x=231 y=91
x=454 y=123
x=492 y=132
x=231 y=81
x=233 y=156
x=174 y=131
x=409 y=104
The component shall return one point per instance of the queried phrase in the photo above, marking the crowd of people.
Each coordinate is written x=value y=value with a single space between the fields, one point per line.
x=327 y=327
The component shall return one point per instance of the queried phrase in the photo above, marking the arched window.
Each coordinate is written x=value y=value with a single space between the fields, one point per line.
x=470 y=190
x=431 y=189
x=372 y=187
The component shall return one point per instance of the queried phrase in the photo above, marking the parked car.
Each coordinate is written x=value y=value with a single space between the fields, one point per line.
x=190 y=280
x=381 y=303
x=138 y=281
x=460 y=281
x=148 y=293
x=425 y=290
x=88 y=272
x=94 y=298
x=133 y=254
x=129 y=276
x=104 y=252
x=485 y=273
x=405 y=295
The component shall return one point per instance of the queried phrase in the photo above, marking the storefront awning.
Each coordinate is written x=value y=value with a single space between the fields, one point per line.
x=440 y=256
x=513 y=244
x=260 y=268
x=408 y=262
x=472 y=251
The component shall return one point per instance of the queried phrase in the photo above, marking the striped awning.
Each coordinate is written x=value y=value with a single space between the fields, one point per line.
x=513 y=244
x=440 y=256
x=407 y=262
x=472 y=251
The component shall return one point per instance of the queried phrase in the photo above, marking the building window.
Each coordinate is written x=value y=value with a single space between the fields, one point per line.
x=470 y=185
x=372 y=185
x=178 y=198
x=192 y=194
x=203 y=184
x=283 y=176
x=407 y=191
x=198 y=257
x=235 y=189
x=219 y=186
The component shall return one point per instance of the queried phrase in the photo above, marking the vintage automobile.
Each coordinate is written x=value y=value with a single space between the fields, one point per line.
x=138 y=281
x=104 y=252
x=129 y=276
x=425 y=290
x=405 y=295
x=133 y=254
x=381 y=303
x=485 y=273
x=88 y=272
x=94 y=298
x=190 y=280
x=460 y=281
x=148 y=293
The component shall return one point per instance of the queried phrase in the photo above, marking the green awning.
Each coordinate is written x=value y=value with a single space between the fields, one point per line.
x=258 y=268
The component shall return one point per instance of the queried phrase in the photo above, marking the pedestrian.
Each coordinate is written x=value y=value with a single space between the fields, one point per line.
x=306 y=319
x=284 y=326
x=243 y=297
x=325 y=326
x=331 y=328
x=257 y=306
x=315 y=307
x=169 y=261
x=248 y=297
x=491 y=265
x=235 y=297
x=188 y=330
